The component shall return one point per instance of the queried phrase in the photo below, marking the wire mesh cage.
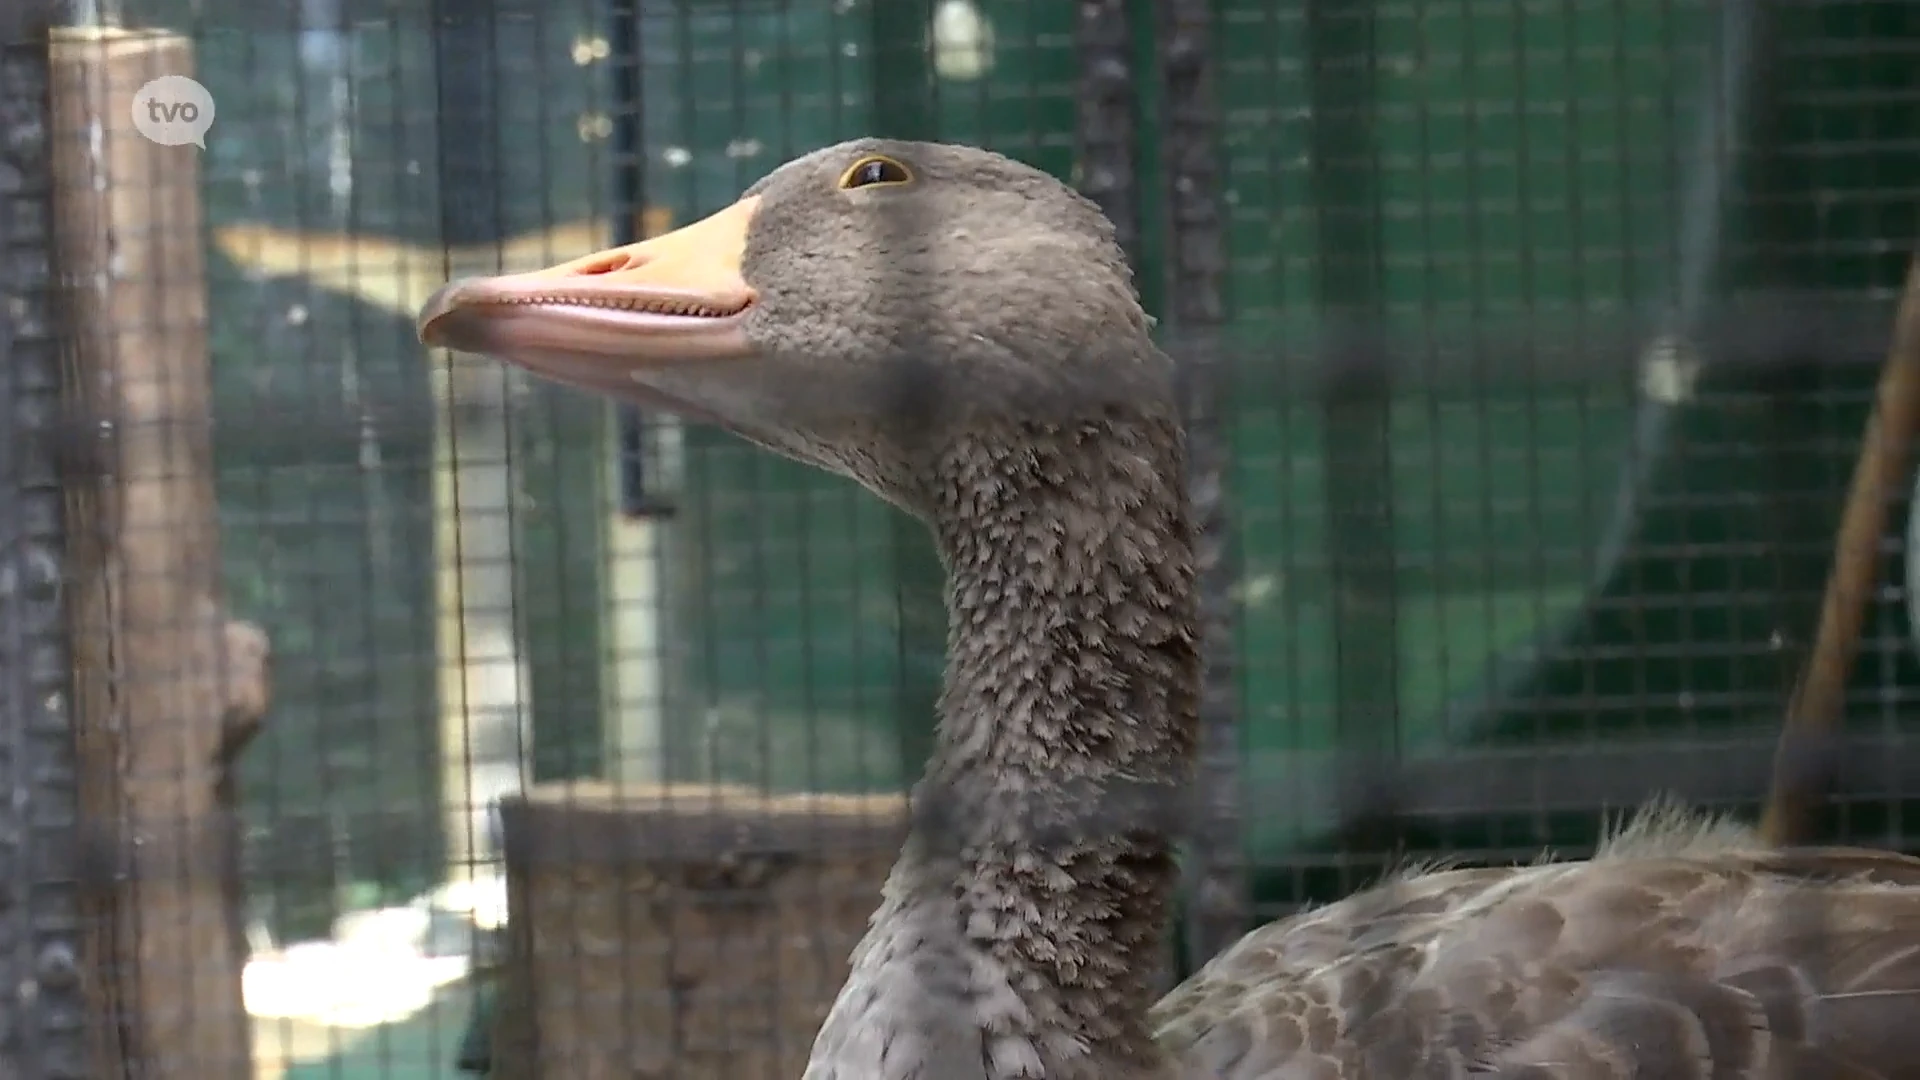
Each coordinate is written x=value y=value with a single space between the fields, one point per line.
x=1546 y=439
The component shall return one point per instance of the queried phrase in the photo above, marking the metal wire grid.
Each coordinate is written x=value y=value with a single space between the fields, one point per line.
x=1647 y=549
x=1395 y=164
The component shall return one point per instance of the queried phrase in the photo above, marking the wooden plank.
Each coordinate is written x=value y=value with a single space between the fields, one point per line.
x=687 y=930
x=166 y=689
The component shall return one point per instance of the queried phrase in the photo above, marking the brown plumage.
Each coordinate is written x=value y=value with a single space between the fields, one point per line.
x=960 y=334
x=1684 y=948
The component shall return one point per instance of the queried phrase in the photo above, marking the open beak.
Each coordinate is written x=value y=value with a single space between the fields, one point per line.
x=599 y=321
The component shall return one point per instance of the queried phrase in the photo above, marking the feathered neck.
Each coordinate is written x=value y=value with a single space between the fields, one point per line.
x=1072 y=652
x=1071 y=691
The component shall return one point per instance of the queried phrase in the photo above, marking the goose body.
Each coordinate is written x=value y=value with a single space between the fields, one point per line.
x=960 y=334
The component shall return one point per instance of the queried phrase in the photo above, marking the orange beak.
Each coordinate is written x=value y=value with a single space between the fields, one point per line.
x=597 y=322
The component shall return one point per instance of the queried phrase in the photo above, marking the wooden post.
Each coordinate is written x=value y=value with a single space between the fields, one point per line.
x=687 y=930
x=1818 y=705
x=166 y=689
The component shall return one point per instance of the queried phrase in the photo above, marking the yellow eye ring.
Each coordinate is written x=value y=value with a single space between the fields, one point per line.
x=875 y=170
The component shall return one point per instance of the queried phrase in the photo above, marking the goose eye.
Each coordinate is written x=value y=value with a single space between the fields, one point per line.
x=875 y=170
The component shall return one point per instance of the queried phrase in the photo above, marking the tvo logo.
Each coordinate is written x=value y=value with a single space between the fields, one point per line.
x=173 y=110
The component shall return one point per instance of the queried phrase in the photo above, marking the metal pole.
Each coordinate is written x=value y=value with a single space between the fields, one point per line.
x=1107 y=167
x=485 y=734
x=646 y=467
x=1218 y=903
x=905 y=108
x=39 y=837
x=1357 y=404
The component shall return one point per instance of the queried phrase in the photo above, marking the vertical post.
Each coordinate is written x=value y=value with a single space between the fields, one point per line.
x=904 y=109
x=635 y=726
x=1107 y=169
x=1218 y=901
x=637 y=529
x=1105 y=118
x=39 y=914
x=484 y=729
x=1358 y=402
x=165 y=689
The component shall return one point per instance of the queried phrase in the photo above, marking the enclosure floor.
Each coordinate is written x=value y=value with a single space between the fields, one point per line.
x=418 y=1047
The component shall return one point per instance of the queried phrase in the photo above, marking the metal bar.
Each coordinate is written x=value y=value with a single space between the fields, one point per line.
x=1572 y=778
x=1106 y=115
x=485 y=724
x=1218 y=900
x=1590 y=777
x=904 y=108
x=1358 y=402
x=635 y=598
x=39 y=919
x=635 y=430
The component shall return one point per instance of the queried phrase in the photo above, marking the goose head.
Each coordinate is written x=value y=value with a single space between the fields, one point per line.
x=856 y=309
x=959 y=333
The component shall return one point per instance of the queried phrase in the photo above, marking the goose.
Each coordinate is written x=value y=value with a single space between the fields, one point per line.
x=959 y=333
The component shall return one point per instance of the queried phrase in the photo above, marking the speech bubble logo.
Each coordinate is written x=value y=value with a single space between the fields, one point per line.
x=173 y=110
